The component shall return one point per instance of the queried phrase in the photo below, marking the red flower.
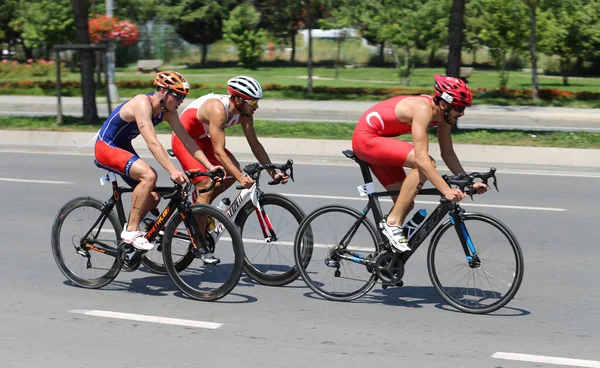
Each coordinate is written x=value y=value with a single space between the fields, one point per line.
x=104 y=29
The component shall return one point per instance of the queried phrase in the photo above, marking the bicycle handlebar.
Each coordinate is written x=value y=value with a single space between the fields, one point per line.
x=213 y=176
x=254 y=170
x=467 y=180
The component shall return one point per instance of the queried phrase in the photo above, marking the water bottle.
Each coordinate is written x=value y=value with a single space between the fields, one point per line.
x=224 y=204
x=413 y=225
x=149 y=220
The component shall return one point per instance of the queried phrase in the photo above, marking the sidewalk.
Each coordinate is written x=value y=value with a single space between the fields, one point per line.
x=475 y=157
x=478 y=116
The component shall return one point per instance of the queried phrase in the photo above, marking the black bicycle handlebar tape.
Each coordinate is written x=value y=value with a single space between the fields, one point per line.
x=254 y=169
x=466 y=181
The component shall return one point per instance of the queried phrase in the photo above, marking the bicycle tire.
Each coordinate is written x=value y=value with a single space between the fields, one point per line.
x=159 y=268
x=305 y=257
x=271 y=275
x=60 y=257
x=466 y=303
x=180 y=278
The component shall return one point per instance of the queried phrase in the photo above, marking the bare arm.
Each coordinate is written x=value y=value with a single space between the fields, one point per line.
x=188 y=141
x=143 y=117
x=257 y=148
x=216 y=130
x=447 y=149
x=421 y=118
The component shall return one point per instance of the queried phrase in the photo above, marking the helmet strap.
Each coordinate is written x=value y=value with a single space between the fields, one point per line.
x=446 y=110
x=162 y=99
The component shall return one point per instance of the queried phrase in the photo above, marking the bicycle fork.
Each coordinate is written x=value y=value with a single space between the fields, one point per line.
x=465 y=240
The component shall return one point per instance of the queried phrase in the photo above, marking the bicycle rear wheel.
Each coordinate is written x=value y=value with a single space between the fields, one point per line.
x=270 y=261
x=84 y=260
x=470 y=288
x=200 y=281
x=327 y=227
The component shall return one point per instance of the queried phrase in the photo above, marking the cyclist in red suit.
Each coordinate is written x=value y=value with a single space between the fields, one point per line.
x=205 y=119
x=374 y=141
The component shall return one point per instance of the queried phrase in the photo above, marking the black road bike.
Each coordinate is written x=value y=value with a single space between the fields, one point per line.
x=478 y=270
x=87 y=245
x=267 y=223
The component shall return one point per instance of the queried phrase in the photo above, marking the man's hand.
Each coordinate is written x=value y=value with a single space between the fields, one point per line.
x=179 y=177
x=246 y=182
x=214 y=169
x=281 y=178
x=481 y=187
x=454 y=195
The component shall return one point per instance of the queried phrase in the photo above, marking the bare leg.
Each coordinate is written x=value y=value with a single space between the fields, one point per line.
x=142 y=199
x=208 y=197
x=409 y=189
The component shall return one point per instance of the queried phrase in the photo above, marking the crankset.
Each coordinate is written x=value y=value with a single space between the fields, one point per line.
x=389 y=268
x=129 y=257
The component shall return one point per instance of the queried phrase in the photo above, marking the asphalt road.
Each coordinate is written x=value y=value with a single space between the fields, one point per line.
x=554 y=316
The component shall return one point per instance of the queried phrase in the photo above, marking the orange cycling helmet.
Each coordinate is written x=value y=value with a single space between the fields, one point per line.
x=173 y=81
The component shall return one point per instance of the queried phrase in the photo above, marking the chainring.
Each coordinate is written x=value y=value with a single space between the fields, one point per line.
x=389 y=267
x=132 y=264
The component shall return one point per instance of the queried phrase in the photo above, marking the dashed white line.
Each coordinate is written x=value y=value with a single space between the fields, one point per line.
x=151 y=319
x=547 y=359
x=428 y=202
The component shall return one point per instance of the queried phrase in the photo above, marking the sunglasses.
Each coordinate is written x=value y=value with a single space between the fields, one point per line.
x=459 y=109
x=178 y=96
x=251 y=102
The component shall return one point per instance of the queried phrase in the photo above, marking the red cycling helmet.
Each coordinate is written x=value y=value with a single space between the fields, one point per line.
x=452 y=90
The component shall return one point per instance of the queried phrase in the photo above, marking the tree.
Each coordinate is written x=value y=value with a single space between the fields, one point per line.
x=45 y=23
x=283 y=19
x=431 y=22
x=455 y=38
x=474 y=26
x=138 y=11
x=9 y=32
x=572 y=31
x=242 y=29
x=199 y=22
x=313 y=10
x=342 y=17
x=533 y=7
x=86 y=57
x=397 y=25
x=505 y=33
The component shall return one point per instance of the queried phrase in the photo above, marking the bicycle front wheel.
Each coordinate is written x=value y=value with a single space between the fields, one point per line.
x=81 y=236
x=153 y=259
x=471 y=286
x=199 y=280
x=337 y=235
x=270 y=259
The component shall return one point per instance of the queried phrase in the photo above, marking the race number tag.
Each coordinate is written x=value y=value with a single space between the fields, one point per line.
x=107 y=178
x=366 y=189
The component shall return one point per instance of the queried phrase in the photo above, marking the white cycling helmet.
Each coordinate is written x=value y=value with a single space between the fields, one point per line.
x=247 y=88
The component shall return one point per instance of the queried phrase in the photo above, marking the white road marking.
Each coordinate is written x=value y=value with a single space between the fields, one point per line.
x=327 y=161
x=547 y=359
x=152 y=319
x=428 y=202
x=35 y=181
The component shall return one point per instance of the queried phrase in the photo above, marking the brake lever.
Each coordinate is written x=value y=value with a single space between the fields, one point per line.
x=471 y=190
x=290 y=163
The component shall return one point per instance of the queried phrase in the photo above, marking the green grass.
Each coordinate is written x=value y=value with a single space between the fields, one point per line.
x=215 y=81
x=341 y=131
